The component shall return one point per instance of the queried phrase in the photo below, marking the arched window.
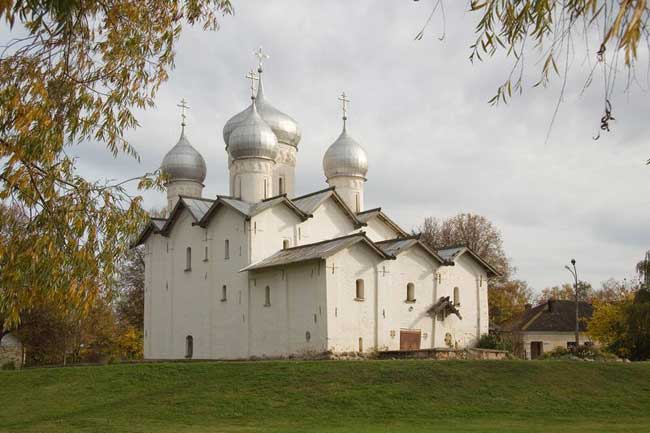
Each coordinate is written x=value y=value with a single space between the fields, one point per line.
x=285 y=244
x=359 y=291
x=224 y=293
x=456 y=296
x=226 y=252
x=189 y=347
x=410 y=292
x=188 y=259
x=267 y=296
x=281 y=185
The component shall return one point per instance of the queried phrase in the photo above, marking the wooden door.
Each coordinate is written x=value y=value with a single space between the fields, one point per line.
x=536 y=349
x=409 y=339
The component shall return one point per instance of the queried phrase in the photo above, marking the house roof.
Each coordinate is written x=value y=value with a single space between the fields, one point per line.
x=369 y=214
x=317 y=250
x=393 y=247
x=450 y=254
x=551 y=316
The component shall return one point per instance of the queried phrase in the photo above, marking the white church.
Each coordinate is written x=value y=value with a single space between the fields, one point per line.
x=261 y=272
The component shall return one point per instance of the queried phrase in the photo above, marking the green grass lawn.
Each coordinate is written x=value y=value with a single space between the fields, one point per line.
x=329 y=396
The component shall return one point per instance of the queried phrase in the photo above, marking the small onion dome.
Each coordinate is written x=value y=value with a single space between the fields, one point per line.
x=345 y=157
x=234 y=122
x=284 y=127
x=184 y=162
x=253 y=138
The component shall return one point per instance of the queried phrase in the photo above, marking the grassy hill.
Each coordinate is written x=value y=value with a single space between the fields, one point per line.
x=328 y=396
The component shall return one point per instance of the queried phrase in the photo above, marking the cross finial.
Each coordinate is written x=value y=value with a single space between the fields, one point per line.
x=183 y=106
x=260 y=58
x=344 y=102
x=253 y=77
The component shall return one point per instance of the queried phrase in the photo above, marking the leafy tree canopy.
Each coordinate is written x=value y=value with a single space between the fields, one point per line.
x=73 y=73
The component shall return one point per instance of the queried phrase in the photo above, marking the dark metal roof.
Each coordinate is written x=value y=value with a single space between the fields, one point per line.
x=393 y=247
x=317 y=250
x=551 y=316
x=450 y=254
x=369 y=214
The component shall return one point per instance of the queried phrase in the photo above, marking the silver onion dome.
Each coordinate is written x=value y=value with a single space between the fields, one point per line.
x=184 y=162
x=284 y=126
x=253 y=138
x=345 y=157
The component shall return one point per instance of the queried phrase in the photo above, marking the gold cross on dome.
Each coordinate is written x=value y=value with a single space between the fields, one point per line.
x=183 y=106
x=253 y=77
x=260 y=58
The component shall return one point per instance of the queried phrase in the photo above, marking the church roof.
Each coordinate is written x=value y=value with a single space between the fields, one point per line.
x=154 y=225
x=369 y=214
x=249 y=210
x=452 y=253
x=551 y=316
x=393 y=247
x=310 y=202
x=315 y=251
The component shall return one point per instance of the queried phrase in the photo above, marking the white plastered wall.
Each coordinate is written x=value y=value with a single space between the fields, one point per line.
x=551 y=340
x=377 y=230
x=471 y=279
x=294 y=322
x=329 y=221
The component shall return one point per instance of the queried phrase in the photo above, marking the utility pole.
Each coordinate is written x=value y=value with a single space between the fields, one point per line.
x=574 y=273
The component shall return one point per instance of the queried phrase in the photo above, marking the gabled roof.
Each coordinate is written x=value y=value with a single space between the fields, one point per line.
x=196 y=206
x=369 y=214
x=310 y=202
x=450 y=254
x=551 y=316
x=153 y=226
x=394 y=247
x=317 y=250
x=249 y=210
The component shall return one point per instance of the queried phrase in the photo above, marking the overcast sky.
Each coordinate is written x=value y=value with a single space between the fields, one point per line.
x=435 y=147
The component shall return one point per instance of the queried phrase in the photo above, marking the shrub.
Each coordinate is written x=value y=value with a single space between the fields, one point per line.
x=494 y=342
x=11 y=365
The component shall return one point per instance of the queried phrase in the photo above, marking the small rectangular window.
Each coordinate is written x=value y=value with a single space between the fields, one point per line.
x=267 y=296
x=224 y=293
x=281 y=185
x=205 y=255
x=359 y=290
x=226 y=253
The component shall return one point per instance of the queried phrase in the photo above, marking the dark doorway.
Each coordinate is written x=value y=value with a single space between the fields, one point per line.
x=409 y=339
x=536 y=349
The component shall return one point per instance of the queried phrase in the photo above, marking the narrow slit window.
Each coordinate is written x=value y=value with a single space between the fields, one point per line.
x=188 y=259
x=456 y=296
x=224 y=293
x=267 y=296
x=359 y=290
x=226 y=252
x=410 y=292
x=281 y=185
x=357 y=202
x=189 y=347
x=205 y=257
x=266 y=188
x=285 y=244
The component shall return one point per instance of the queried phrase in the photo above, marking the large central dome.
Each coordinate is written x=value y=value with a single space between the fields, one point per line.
x=252 y=138
x=283 y=126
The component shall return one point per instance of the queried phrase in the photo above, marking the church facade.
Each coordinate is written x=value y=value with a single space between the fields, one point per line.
x=261 y=272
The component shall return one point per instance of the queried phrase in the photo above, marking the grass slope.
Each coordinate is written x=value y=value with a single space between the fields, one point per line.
x=328 y=396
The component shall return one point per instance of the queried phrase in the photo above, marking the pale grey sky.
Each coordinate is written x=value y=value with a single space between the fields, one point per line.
x=435 y=147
